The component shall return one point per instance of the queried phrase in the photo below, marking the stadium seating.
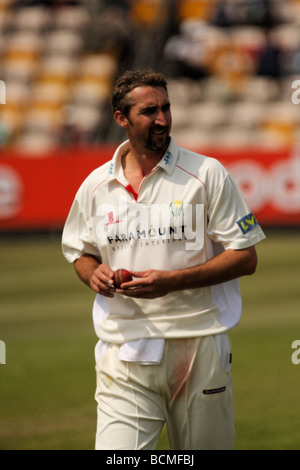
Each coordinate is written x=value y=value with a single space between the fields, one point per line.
x=230 y=67
x=200 y=9
x=148 y=12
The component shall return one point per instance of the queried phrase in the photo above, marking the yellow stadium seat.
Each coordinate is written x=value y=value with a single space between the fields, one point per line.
x=101 y=65
x=73 y=18
x=200 y=9
x=23 y=69
x=5 y=5
x=21 y=45
x=85 y=118
x=50 y=95
x=11 y=119
x=35 y=143
x=57 y=69
x=31 y=19
x=64 y=42
x=42 y=117
x=91 y=91
x=148 y=12
x=282 y=121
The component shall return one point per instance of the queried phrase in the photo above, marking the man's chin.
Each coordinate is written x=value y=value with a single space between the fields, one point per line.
x=158 y=145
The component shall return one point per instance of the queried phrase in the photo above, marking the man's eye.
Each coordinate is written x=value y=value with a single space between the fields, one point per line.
x=148 y=111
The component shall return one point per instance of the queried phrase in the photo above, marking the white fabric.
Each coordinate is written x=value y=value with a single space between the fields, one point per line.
x=103 y=222
x=189 y=390
x=144 y=351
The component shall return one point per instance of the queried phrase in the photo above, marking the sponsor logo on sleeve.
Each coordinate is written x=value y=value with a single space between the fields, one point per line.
x=247 y=223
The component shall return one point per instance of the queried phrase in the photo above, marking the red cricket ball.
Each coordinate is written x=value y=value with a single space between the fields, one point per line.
x=120 y=276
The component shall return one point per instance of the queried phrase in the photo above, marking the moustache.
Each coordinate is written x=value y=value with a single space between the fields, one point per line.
x=158 y=129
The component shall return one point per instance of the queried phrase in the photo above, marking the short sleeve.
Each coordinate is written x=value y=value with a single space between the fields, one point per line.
x=76 y=238
x=230 y=220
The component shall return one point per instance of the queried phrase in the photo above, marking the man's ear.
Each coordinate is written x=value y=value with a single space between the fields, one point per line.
x=121 y=119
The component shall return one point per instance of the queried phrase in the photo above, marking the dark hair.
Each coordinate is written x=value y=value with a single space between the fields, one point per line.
x=130 y=80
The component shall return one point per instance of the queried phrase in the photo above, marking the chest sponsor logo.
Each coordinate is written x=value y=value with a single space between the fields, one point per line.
x=171 y=221
x=111 y=219
x=176 y=208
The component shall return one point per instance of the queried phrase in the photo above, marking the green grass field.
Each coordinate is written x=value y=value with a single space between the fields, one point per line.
x=47 y=385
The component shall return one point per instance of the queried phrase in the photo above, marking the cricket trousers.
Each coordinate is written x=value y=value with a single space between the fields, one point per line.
x=190 y=390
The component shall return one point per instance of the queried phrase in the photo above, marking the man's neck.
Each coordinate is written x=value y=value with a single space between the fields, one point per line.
x=141 y=162
x=137 y=166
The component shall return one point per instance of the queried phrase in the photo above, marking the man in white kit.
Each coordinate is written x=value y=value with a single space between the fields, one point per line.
x=177 y=221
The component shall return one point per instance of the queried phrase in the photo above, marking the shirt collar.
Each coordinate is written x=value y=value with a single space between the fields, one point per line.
x=169 y=159
x=115 y=170
x=167 y=163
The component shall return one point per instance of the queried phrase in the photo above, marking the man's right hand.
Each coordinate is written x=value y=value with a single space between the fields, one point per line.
x=98 y=277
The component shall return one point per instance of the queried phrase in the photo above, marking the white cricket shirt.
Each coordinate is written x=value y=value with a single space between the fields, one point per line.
x=187 y=209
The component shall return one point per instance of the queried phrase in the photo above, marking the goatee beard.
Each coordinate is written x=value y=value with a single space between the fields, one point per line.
x=158 y=146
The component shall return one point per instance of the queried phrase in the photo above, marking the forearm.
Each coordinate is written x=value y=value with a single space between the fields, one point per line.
x=95 y=275
x=228 y=265
x=85 y=266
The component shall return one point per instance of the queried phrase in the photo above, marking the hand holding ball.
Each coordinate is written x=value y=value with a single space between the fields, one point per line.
x=120 y=276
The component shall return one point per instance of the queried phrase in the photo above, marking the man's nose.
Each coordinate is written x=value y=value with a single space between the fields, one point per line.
x=161 y=118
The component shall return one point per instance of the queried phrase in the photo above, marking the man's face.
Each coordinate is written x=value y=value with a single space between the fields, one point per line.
x=149 y=119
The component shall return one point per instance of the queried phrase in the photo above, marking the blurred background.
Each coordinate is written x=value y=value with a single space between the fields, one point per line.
x=231 y=62
x=233 y=68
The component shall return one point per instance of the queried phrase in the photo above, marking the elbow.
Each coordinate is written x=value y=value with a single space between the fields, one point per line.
x=251 y=264
x=251 y=269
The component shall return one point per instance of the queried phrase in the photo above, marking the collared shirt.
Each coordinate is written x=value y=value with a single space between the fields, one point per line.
x=187 y=209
